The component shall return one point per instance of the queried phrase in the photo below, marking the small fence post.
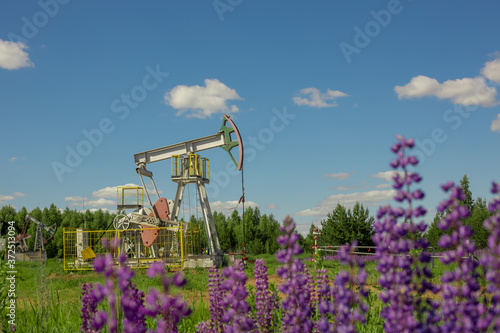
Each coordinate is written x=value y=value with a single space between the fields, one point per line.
x=433 y=257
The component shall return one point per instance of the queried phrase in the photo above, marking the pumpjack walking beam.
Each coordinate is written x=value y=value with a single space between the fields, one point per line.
x=221 y=139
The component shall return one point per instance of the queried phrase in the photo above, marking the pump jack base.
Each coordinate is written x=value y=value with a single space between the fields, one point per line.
x=203 y=261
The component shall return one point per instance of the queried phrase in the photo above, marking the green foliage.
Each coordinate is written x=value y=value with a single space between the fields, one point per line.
x=98 y=220
x=433 y=233
x=343 y=226
x=260 y=231
x=468 y=202
x=7 y=214
x=309 y=239
x=479 y=212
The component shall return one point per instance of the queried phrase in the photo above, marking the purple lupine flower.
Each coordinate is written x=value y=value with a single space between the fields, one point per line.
x=404 y=276
x=89 y=307
x=156 y=269
x=461 y=307
x=490 y=261
x=113 y=310
x=311 y=288
x=351 y=306
x=216 y=294
x=327 y=313
x=296 y=306
x=179 y=280
x=171 y=309
x=132 y=303
x=236 y=317
x=204 y=327
x=132 y=306
x=104 y=264
x=264 y=300
x=99 y=320
x=124 y=275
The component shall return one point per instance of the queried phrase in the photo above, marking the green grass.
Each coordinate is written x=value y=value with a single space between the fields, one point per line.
x=56 y=306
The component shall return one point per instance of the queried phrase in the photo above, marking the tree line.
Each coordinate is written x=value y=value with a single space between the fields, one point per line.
x=258 y=231
x=259 y=234
x=344 y=225
x=97 y=220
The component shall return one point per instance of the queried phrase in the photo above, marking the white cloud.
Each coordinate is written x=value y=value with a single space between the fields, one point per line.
x=495 y=124
x=202 y=102
x=348 y=188
x=387 y=175
x=110 y=192
x=227 y=207
x=73 y=199
x=93 y=210
x=13 y=56
x=101 y=202
x=467 y=91
x=370 y=198
x=358 y=187
x=271 y=206
x=340 y=175
x=317 y=99
x=6 y=198
x=102 y=198
x=303 y=229
x=491 y=70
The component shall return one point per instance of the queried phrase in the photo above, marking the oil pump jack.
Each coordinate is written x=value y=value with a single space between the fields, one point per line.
x=40 y=239
x=187 y=167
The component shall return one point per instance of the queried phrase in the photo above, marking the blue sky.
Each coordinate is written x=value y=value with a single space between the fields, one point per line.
x=318 y=90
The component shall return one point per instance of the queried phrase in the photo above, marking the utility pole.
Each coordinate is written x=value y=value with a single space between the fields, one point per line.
x=84 y=218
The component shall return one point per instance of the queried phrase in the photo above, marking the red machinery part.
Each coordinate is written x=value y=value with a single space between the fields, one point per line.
x=149 y=235
x=161 y=209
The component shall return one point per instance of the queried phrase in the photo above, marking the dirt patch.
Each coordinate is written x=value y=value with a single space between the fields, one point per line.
x=270 y=279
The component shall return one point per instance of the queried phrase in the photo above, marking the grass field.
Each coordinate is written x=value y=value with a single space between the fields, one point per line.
x=50 y=298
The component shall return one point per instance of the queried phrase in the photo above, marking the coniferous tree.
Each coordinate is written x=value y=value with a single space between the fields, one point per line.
x=433 y=233
x=309 y=239
x=468 y=201
x=7 y=214
x=343 y=226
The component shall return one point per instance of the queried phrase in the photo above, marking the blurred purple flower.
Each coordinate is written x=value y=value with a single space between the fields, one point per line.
x=237 y=317
x=89 y=307
x=265 y=301
x=404 y=276
x=296 y=305
x=156 y=269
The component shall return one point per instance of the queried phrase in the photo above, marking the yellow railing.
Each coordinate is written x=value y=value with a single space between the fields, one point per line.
x=190 y=165
x=172 y=245
x=125 y=191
